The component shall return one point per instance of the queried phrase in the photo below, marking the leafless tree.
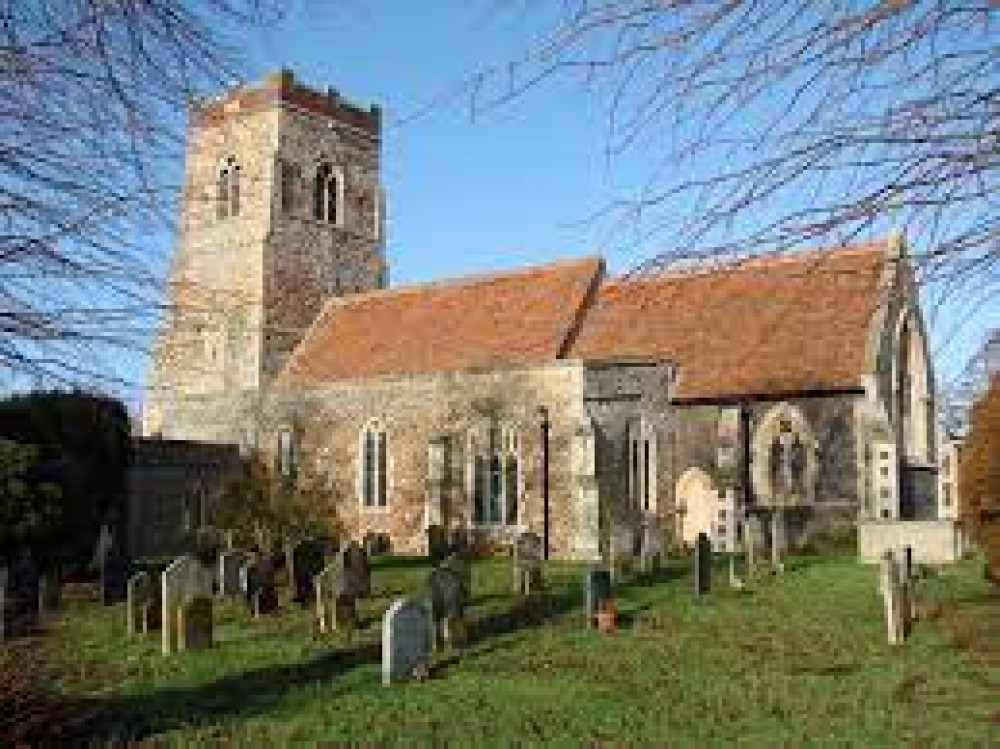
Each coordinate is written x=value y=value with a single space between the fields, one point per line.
x=92 y=101
x=773 y=125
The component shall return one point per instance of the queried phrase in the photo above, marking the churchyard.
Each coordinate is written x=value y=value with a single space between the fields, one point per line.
x=792 y=658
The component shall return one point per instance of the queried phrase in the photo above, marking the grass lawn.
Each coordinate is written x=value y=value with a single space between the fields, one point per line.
x=800 y=659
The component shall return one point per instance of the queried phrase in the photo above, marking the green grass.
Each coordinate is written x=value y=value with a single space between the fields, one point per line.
x=800 y=659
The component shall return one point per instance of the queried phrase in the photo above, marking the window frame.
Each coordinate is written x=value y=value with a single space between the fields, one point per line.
x=495 y=461
x=374 y=468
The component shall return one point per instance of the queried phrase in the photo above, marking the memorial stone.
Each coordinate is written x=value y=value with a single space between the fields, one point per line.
x=406 y=640
x=232 y=566
x=307 y=562
x=448 y=599
x=194 y=624
x=184 y=580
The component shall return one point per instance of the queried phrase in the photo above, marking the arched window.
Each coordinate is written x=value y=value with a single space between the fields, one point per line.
x=641 y=471
x=328 y=197
x=495 y=475
x=228 y=195
x=374 y=467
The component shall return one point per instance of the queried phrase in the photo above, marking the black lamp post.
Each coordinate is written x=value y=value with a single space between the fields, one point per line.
x=543 y=414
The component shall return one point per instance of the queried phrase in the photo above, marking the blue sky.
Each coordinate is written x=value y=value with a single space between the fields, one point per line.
x=511 y=187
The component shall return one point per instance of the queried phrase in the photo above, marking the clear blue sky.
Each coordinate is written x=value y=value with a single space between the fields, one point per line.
x=512 y=187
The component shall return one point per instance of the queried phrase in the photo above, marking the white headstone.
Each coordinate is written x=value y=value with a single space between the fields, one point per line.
x=185 y=579
x=890 y=587
x=406 y=640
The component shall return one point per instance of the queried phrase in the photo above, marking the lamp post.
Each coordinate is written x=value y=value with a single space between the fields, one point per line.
x=543 y=414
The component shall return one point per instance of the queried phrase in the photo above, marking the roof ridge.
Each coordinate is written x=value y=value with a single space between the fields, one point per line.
x=753 y=262
x=468 y=280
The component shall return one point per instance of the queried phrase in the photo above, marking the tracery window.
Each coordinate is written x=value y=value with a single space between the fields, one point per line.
x=495 y=475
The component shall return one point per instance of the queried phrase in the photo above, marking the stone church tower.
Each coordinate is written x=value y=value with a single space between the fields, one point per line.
x=282 y=209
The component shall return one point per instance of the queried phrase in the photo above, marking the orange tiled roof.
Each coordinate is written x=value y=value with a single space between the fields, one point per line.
x=517 y=317
x=775 y=324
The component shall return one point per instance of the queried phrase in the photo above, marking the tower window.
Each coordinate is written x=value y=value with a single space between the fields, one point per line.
x=328 y=197
x=228 y=194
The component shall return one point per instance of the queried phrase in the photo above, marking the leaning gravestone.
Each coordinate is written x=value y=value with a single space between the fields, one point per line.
x=702 y=565
x=184 y=580
x=598 y=586
x=527 y=563
x=194 y=625
x=231 y=567
x=437 y=543
x=406 y=640
x=307 y=562
x=114 y=577
x=448 y=598
x=140 y=599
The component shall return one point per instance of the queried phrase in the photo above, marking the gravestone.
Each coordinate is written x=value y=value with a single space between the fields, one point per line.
x=232 y=566
x=621 y=546
x=650 y=546
x=406 y=640
x=184 y=580
x=335 y=606
x=702 y=565
x=528 y=555
x=194 y=625
x=754 y=541
x=736 y=582
x=357 y=570
x=262 y=587
x=598 y=587
x=779 y=538
x=462 y=566
x=448 y=599
x=140 y=598
x=437 y=543
x=114 y=577
x=890 y=588
x=307 y=562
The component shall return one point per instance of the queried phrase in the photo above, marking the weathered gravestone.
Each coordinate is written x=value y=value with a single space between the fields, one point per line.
x=406 y=640
x=702 y=565
x=231 y=572
x=307 y=561
x=650 y=546
x=598 y=588
x=184 y=580
x=437 y=543
x=621 y=548
x=262 y=587
x=890 y=587
x=114 y=577
x=528 y=554
x=335 y=604
x=143 y=607
x=194 y=624
x=448 y=599
x=357 y=570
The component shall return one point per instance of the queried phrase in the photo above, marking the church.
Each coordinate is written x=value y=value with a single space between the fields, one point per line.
x=555 y=398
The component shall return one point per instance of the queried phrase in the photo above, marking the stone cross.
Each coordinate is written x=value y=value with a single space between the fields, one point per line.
x=890 y=587
x=598 y=587
x=185 y=579
x=527 y=563
x=702 y=565
x=406 y=640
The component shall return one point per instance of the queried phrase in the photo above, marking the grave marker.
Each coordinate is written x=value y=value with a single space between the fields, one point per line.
x=307 y=562
x=194 y=625
x=406 y=640
x=448 y=598
x=184 y=580
x=232 y=566
x=528 y=553
x=702 y=565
